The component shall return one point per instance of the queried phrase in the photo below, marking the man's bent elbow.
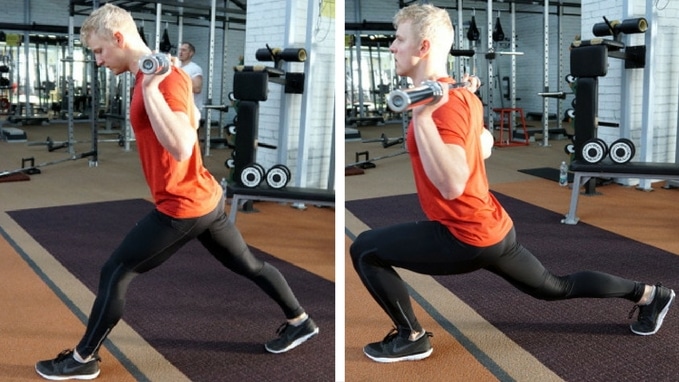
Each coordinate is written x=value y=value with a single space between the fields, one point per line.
x=450 y=193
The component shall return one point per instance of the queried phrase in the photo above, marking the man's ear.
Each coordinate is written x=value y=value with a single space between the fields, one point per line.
x=119 y=39
x=425 y=46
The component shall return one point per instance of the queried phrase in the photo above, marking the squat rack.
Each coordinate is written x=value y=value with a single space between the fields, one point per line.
x=181 y=10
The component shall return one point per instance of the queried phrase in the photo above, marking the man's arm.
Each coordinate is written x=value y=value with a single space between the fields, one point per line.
x=197 y=84
x=487 y=142
x=445 y=164
x=173 y=129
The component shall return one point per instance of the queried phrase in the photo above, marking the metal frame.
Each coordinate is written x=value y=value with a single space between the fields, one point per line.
x=581 y=178
x=237 y=199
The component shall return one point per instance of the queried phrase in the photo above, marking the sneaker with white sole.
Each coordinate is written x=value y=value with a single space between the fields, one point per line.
x=65 y=367
x=291 y=336
x=651 y=316
x=395 y=348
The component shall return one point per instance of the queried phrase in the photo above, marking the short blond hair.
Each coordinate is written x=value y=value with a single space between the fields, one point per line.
x=106 y=20
x=429 y=23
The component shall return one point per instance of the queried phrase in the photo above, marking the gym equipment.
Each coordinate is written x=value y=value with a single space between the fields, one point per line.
x=53 y=145
x=32 y=168
x=473 y=33
x=588 y=61
x=428 y=92
x=593 y=151
x=278 y=176
x=584 y=173
x=621 y=151
x=615 y=27
x=252 y=175
x=155 y=63
x=165 y=45
x=498 y=34
x=386 y=141
x=315 y=196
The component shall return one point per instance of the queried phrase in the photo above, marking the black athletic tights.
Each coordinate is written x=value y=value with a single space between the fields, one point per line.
x=429 y=248
x=157 y=237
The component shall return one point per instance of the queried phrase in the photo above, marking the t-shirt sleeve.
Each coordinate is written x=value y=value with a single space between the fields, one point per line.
x=453 y=119
x=175 y=90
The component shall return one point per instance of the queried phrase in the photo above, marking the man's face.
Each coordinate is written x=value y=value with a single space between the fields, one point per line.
x=406 y=49
x=184 y=53
x=107 y=53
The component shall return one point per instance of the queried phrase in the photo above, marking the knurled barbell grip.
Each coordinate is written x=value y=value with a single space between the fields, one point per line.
x=400 y=100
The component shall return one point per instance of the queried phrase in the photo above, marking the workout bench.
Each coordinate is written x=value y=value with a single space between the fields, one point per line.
x=583 y=172
x=314 y=196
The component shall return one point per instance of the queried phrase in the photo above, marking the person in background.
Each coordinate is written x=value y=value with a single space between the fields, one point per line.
x=195 y=72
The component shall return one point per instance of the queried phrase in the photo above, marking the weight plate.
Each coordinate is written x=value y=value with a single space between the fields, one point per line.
x=231 y=128
x=230 y=163
x=260 y=168
x=569 y=148
x=277 y=177
x=621 y=151
x=251 y=176
x=593 y=151
x=286 y=169
x=570 y=113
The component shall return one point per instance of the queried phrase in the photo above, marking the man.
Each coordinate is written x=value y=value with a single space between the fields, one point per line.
x=467 y=229
x=186 y=52
x=189 y=202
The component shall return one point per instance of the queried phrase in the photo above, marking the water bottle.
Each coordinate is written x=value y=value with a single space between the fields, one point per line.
x=563 y=174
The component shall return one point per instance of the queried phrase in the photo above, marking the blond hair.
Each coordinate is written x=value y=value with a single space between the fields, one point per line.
x=429 y=23
x=105 y=21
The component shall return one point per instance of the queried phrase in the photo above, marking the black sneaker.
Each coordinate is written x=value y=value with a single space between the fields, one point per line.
x=290 y=336
x=394 y=348
x=66 y=367
x=651 y=316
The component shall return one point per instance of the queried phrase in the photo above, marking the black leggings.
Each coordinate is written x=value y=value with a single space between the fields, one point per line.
x=428 y=247
x=157 y=237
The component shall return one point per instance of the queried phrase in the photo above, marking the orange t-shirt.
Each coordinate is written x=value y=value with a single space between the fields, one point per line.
x=183 y=189
x=475 y=217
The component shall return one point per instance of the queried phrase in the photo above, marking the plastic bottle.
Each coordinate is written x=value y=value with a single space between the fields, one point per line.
x=563 y=174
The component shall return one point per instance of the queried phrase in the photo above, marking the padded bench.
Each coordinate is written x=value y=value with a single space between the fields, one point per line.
x=316 y=196
x=583 y=172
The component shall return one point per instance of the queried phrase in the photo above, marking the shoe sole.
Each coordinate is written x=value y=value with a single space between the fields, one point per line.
x=294 y=343
x=661 y=317
x=412 y=357
x=60 y=378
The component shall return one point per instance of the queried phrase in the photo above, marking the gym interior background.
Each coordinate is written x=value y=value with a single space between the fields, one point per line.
x=532 y=58
x=295 y=127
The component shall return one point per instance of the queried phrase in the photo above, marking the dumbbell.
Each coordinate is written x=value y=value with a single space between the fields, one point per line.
x=621 y=151
x=154 y=63
x=251 y=175
x=593 y=150
x=278 y=176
